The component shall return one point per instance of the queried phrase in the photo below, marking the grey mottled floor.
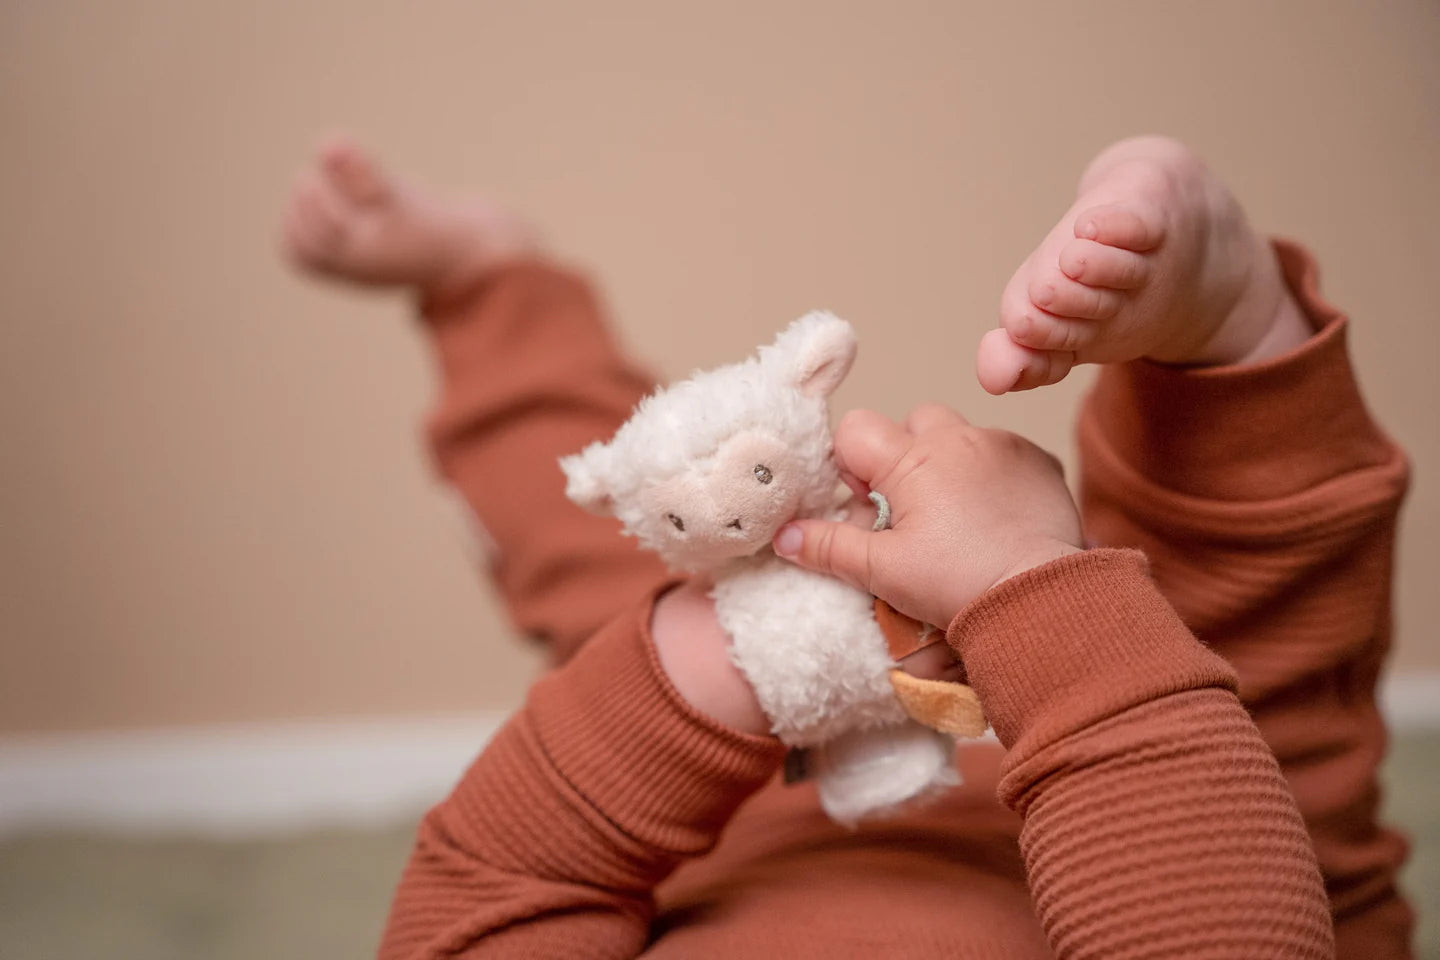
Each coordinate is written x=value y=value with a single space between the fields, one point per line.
x=324 y=895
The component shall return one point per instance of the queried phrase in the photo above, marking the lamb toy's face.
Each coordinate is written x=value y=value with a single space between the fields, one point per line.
x=708 y=469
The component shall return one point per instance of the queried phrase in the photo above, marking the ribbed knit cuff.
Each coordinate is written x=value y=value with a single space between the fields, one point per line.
x=1238 y=433
x=531 y=303
x=1074 y=641
x=438 y=307
x=620 y=734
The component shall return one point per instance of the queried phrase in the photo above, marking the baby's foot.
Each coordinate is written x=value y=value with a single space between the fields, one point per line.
x=1156 y=260
x=347 y=219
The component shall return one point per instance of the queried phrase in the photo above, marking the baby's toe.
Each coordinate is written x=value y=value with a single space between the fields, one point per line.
x=316 y=216
x=326 y=210
x=315 y=225
x=355 y=176
x=1002 y=365
x=1057 y=294
x=1041 y=331
x=295 y=241
x=1138 y=228
x=1098 y=265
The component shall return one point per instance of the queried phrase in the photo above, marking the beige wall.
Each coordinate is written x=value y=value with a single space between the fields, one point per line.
x=213 y=502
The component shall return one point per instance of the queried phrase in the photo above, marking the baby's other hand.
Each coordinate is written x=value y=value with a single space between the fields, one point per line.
x=969 y=508
x=694 y=652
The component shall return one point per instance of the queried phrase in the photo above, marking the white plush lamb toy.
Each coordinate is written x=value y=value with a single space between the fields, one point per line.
x=704 y=473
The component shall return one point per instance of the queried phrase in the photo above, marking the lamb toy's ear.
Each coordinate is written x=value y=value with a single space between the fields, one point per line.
x=814 y=353
x=587 y=479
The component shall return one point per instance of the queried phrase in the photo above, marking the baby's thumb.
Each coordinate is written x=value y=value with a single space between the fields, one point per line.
x=838 y=549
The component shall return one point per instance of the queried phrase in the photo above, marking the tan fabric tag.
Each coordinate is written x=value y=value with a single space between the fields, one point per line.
x=951 y=708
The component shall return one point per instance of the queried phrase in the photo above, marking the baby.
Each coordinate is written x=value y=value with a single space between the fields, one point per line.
x=1175 y=797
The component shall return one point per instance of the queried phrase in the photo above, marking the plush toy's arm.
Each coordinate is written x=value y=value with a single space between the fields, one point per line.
x=552 y=842
x=530 y=373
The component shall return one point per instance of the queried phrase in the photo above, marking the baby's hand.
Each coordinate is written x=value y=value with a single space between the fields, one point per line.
x=970 y=508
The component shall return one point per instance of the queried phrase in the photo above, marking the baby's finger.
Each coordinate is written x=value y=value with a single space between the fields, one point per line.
x=856 y=485
x=868 y=445
x=836 y=549
x=860 y=512
x=932 y=416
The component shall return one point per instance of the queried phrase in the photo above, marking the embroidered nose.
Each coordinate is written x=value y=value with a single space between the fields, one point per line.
x=734 y=524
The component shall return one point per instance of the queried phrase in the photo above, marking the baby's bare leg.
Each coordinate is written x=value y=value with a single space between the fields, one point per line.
x=349 y=220
x=1155 y=259
x=529 y=374
x=1261 y=491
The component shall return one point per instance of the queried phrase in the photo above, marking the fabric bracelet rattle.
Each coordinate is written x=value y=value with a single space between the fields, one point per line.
x=704 y=473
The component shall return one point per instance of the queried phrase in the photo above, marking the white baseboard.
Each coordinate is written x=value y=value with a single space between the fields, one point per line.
x=260 y=779
x=236 y=780
x=1411 y=701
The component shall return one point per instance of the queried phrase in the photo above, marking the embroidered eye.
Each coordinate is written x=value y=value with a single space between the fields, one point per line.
x=763 y=474
x=679 y=524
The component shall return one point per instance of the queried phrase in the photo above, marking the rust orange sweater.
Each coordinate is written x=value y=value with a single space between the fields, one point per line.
x=1141 y=810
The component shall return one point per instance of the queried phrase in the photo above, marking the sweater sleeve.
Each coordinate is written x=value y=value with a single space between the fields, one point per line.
x=1266 y=499
x=554 y=838
x=530 y=373
x=1156 y=822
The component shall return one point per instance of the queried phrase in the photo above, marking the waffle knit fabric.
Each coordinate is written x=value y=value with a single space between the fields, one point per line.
x=1188 y=737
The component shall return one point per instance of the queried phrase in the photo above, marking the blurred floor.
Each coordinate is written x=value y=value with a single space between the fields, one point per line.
x=66 y=897
x=1412 y=801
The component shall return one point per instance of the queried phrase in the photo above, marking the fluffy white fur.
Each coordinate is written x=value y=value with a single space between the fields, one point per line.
x=705 y=472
